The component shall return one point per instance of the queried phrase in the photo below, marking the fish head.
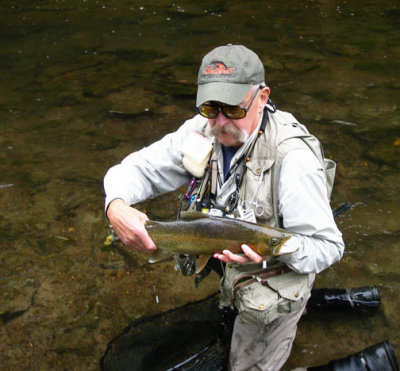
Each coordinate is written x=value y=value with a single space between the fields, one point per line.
x=276 y=242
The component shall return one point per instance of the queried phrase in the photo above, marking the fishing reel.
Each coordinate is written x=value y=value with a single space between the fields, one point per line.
x=186 y=264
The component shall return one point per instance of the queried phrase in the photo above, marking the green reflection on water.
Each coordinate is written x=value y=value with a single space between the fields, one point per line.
x=84 y=83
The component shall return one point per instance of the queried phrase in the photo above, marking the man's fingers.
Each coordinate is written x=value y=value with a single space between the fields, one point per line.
x=252 y=255
x=228 y=257
x=129 y=224
x=145 y=241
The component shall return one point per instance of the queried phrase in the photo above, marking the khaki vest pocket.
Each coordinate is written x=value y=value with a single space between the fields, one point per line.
x=256 y=191
x=284 y=294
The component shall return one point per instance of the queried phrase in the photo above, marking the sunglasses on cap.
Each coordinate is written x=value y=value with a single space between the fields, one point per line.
x=211 y=110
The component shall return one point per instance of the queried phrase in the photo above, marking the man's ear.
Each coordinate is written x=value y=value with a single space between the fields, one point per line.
x=264 y=95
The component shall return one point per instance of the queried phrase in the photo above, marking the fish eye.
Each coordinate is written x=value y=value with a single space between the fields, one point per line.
x=274 y=241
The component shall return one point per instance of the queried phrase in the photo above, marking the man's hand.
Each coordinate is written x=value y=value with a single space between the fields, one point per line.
x=129 y=224
x=249 y=256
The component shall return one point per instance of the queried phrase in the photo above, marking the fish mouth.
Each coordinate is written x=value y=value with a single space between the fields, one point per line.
x=148 y=224
x=277 y=249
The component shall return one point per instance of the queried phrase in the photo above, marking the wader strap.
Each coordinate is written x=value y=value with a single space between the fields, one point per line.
x=214 y=175
x=203 y=186
x=264 y=123
x=261 y=277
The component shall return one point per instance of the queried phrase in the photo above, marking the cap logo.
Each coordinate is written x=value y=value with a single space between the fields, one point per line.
x=219 y=68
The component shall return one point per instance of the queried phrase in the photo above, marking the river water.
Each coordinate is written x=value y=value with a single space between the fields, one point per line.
x=84 y=83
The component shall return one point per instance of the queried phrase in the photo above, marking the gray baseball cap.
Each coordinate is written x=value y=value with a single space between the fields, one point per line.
x=227 y=73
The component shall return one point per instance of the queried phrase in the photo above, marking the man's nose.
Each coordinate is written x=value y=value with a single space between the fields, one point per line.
x=221 y=119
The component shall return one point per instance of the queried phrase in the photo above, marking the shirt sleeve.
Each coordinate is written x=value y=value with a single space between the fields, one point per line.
x=304 y=207
x=149 y=172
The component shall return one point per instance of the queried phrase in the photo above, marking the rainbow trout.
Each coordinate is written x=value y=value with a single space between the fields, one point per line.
x=199 y=234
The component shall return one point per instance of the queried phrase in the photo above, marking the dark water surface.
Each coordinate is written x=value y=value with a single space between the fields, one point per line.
x=84 y=83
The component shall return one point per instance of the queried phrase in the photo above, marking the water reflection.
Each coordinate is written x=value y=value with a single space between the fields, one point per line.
x=84 y=83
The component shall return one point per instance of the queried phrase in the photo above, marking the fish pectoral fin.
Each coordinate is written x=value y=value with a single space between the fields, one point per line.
x=159 y=256
x=201 y=263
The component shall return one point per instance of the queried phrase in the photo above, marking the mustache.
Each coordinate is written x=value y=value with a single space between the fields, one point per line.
x=239 y=135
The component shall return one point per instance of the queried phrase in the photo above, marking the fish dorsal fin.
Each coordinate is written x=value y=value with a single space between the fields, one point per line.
x=201 y=263
x=191 y=215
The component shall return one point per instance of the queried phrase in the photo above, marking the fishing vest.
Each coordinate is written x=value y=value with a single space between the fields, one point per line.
x=260 y=168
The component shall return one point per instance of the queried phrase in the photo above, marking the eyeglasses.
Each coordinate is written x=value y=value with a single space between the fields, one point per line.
x=211 y=111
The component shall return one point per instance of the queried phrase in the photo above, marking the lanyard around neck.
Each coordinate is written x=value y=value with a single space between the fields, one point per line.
x=234 y=197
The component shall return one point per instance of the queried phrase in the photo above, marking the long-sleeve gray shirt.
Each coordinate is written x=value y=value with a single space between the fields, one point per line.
x=303 y=205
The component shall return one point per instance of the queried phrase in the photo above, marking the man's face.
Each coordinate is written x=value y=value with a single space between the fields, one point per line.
x=233 y=133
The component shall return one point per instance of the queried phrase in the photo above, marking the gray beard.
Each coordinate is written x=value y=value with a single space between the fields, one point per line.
x=239 y=135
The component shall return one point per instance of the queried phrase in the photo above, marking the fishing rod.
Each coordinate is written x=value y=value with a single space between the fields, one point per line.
x=341 y=209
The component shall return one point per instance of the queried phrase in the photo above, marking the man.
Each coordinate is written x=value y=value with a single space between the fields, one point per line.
x=260 y=170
